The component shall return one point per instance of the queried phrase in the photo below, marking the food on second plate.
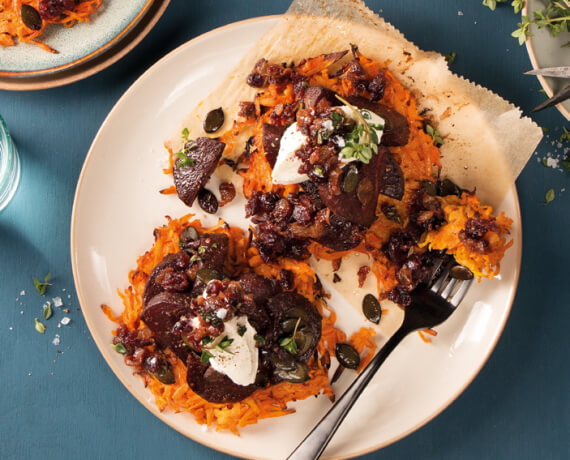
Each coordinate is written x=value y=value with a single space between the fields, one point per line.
x=25 y=21
x=215 y=331
x=338 y=161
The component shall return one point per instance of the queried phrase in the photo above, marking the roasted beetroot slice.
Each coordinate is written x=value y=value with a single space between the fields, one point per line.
x=350 y=205
x=314 y=95
x=396 y=129
x=189 y=180
x=172 y=262
x=161 y=313
x=340 y=235
x=213 y=386
x=260 y=287
x=289 y=305
x=392 y=181
x=271 y=141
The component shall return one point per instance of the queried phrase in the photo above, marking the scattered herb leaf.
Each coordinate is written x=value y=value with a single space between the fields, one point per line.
x=259 y=339
x=565 y=135
x=450 y=57
x=39 y=326
x=435 y=135
x=223 y=344
x=241 y=330
x=41 y=286
x=47 y=312
x=549 y=197
x=185 y=133
x=207 y=339
x=205 y=356
x=289 y=344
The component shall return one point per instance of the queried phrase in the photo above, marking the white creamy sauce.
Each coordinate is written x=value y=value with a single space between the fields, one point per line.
x=285 y=171
x=239 y=361
x=287 y=165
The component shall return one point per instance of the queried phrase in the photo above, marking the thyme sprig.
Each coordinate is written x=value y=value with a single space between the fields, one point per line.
x=554 y=17
x=362 y=141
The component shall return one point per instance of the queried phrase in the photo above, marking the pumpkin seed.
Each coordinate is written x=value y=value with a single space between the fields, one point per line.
x=299 y=374
x=448 y=187
x=365 y=191
x=189 y=234
x=347 y=355
x=160 y=370
x=371 y=308
x=208 y=274
x=351 y=179
x=214 y=120
x=430 y=187
x=31 y=17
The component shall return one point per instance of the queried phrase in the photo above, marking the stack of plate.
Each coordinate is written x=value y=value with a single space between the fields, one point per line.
x=83 y=50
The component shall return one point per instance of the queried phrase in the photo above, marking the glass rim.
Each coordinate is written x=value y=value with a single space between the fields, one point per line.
x=5 y=136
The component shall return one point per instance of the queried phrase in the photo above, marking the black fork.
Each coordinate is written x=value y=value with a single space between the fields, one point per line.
x=430 y=307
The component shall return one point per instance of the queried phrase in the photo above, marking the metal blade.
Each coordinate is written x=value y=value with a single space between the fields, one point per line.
x=557 y=98
x=556 y=72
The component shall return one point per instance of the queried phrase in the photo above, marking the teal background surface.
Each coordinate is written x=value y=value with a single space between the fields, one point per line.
x=69 y=404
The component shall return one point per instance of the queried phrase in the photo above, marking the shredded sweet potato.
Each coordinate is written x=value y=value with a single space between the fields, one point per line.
x=264 y=403
x=449 y=237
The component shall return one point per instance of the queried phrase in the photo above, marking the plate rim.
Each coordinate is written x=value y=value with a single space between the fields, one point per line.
x=149 y=405
x=534 y=61
x=109 y=44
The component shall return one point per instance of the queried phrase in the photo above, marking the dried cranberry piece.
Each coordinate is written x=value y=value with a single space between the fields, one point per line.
x=53 y=9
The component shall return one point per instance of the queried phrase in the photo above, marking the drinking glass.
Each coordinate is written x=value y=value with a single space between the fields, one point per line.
x=9 y=166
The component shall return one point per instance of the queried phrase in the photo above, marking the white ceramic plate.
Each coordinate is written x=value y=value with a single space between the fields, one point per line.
x=74 y=45
x=545 y=50
x=117 y=206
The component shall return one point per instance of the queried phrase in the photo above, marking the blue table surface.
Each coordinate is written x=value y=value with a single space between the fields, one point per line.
x=69 y=404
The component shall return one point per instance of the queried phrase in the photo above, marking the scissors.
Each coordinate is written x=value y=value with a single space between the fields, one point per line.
x=554 y=72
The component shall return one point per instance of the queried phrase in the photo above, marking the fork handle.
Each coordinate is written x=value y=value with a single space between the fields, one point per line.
x=318 y=439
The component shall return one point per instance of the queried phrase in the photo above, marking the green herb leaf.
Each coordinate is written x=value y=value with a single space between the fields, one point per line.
x=565 y=135
x=450 y=57
x=259 y=339
x=434 y=133
x=120 y=348
x=195 y=258
x=39 y=326
x=202 y=249
x=184 y=160
x=223 y=344
x=41 y=286
x=47 y=311
x=207 y=339
x=549 y=197
x=185 y=133
x=241 y=329
x=289 y=344
x=205 y=356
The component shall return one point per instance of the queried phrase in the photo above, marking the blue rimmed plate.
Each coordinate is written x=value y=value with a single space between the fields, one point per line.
x=74 y=45
x=88 y=66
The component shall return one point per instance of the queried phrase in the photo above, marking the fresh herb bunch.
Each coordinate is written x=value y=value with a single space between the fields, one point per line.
x=555 y=17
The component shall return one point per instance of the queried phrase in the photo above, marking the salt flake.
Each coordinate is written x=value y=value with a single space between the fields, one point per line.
x=65 y=320
x=22 y=292
x=57 y=302
x=56 y=340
